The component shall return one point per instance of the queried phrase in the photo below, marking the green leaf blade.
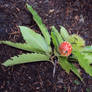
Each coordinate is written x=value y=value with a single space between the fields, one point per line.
x=22 y=46
x=54 y=39
x=64 y=33
x=84 y=62
x=26 y=58
x=68 y=66
x=88 y=56
x=38 y=20
x=35 y=39
x=64 y=64
x=57 y=34
x=76 y=72
x=87 y=49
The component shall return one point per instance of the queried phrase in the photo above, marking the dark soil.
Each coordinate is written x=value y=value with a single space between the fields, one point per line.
x=74 y=15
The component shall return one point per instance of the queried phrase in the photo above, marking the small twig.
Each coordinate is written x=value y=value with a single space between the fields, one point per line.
x=54 y=69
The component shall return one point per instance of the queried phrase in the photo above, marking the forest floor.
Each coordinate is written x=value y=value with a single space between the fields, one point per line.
x=74 y=15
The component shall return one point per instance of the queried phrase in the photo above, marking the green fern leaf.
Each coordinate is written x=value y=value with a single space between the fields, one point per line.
x=26 y=58
x=38 y=20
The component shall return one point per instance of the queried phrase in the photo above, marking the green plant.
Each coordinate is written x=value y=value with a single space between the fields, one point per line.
x=41 y=50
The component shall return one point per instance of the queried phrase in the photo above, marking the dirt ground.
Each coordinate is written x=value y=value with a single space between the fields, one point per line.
x=74 y=15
